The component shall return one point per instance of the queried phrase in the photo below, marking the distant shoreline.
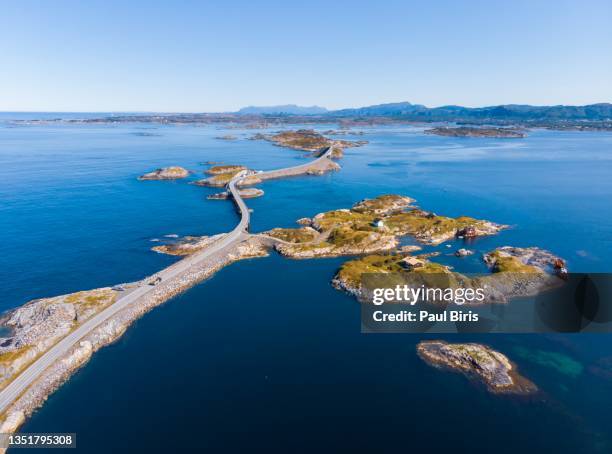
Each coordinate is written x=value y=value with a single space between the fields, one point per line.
x=592 y=117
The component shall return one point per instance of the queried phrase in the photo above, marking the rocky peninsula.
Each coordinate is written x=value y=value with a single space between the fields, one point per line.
x=477 y=361
x=166 y=173
x=465 y=131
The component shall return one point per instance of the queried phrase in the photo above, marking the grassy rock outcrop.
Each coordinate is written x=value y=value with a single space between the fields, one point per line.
x=166 y=173
x=38 y=324
x=307 y=140
x=374 y=225
x=219 y=169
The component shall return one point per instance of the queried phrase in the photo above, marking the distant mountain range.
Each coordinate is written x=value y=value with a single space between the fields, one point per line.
x=408 y=111
x=288 y=109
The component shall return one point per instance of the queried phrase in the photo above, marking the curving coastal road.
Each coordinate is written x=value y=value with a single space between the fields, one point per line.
x=20 y=383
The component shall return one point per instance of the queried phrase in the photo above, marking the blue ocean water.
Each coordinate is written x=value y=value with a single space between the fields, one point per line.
x=266 y=354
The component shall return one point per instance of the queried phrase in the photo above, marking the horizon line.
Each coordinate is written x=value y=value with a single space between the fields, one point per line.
x=291 y=104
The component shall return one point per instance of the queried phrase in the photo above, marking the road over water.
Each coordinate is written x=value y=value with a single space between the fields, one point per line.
x=21 y=382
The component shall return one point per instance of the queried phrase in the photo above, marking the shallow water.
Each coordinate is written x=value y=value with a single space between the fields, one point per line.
x=267 y=353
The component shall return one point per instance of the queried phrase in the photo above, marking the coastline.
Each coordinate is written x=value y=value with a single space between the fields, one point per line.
x=242 y=246
x=114 y=327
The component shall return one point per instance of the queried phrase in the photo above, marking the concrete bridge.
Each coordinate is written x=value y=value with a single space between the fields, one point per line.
x=178 y=270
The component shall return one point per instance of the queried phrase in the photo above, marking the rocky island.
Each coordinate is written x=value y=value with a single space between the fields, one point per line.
x=516 y=273
x=523 y=260
x=476 y=361
x=222 y=175
x=465 y=131
x=166 y=173
x=307 y=140
x=247 y=193
x=187 y=245
x=220 y=169
x=66 y=334
x=373 y=225
x=349 y=277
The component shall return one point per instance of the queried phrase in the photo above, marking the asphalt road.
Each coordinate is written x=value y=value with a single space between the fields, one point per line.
x=20 y=383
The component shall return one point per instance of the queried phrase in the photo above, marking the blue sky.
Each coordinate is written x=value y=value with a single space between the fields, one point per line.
x=185 y=56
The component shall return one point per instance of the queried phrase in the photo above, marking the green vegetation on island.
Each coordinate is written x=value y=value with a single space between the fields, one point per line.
x=516 y=272
x=301 y=235
x=307 y=140
x=218 y=180
x=374 y=225
x=37 y=325
x=220 y=169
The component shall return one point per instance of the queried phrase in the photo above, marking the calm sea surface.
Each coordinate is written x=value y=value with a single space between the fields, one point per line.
x=266 y=354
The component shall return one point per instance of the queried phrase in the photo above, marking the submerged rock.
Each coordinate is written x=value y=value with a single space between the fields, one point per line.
x=476 y=361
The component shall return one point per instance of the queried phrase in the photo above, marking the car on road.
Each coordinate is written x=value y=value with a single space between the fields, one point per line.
x=155 y=281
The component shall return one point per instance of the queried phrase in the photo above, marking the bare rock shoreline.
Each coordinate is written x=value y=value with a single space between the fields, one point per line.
x=477 y=361
x=113 y=328
x=166 y=173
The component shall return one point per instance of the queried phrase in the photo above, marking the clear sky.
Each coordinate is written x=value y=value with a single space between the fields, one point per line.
x=181 y=56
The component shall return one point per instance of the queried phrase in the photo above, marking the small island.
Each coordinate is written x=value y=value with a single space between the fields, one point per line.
x=465 y=131
x=516 y=272
x=166 y=173
x=223 y=174
x=247 y=193
x=308 y=140
x=524 y=260
x=187 y=245
x=477 y=361
x=219 y=169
